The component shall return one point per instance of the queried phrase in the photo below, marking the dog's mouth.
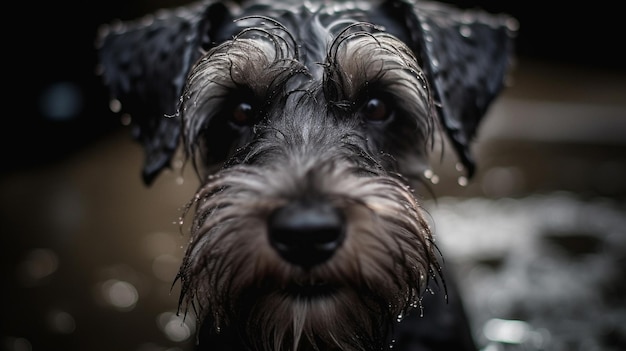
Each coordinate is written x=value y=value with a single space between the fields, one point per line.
x=310 y=288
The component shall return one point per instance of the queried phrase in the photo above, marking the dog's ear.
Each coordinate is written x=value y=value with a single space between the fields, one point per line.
x=144 y=64
x=466 y=56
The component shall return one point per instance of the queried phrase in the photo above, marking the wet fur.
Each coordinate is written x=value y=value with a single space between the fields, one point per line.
x=230 y=272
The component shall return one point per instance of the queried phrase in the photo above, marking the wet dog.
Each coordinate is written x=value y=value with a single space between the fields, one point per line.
x=307 y=124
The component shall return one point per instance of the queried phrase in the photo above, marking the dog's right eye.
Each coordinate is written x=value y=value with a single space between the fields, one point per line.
x=376 y=110
x=242 y=114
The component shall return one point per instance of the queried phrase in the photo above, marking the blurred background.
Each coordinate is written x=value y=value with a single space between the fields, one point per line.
x=537 y=238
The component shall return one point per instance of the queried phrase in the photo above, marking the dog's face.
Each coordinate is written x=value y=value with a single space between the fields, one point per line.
x=304 y=123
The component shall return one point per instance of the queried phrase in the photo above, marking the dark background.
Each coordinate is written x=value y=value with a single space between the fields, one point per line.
x=88 y=253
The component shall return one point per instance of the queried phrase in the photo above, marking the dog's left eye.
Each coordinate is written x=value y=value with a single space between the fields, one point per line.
x=375 y=110
x=242 y=114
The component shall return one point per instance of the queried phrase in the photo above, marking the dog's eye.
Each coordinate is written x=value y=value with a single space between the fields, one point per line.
x=242 y=114
x=375 y=110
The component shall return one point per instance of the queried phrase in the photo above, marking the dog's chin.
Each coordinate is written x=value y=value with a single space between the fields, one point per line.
x=318 y=316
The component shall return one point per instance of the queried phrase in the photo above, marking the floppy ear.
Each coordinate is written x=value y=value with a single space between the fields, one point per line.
x=144 y=64
x=466 y=55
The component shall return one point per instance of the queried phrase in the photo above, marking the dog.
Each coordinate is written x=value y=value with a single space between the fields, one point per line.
x=308 y=125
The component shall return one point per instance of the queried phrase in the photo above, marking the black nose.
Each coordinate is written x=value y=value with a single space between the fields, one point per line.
x=306 y=233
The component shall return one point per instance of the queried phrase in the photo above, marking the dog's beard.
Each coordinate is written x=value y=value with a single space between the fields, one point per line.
x=232 y=276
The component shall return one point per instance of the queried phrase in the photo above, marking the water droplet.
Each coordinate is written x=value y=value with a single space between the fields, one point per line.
x=428 y=173
x=434 y=179
x=465 y=31
x=462 y=181
x=512 y=24
x=400 y=317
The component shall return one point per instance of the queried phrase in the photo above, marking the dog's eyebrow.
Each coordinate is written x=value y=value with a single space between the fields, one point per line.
x=361 y=60
x=260 y=67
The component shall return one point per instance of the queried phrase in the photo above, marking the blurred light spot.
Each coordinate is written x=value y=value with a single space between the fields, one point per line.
x=37 y=265
x=165 y=267
x=429 y=174
x=115 y=105
x=174 y=327
x=61 y=101
x=61 y=322
x=492 y=347
x=178 y=163
x=506 y=331
x=434 y=179
x=126 y=119
x=17 y=344
x=177 y=331
x=120 y=294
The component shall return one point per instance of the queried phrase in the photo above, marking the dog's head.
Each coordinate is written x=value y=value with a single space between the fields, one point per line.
x=308 y=236
x=464 y=57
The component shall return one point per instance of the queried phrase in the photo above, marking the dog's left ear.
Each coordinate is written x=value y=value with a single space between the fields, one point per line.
x=144 y=64
x=466 y=56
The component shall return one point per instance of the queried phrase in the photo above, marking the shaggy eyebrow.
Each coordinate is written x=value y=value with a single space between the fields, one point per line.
x=378 y=60
x=258 y=66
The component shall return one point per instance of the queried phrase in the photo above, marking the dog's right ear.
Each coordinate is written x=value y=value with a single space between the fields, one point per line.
x=144 y=63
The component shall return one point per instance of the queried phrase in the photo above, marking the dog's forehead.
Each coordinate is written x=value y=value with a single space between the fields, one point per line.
x=309 y=21
x=282 y=8
x=309 y=26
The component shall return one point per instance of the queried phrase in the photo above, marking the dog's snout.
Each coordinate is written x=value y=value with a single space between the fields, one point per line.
x=306 y=233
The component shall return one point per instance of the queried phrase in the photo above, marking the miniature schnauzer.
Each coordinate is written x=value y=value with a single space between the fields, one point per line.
x=307 y=124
